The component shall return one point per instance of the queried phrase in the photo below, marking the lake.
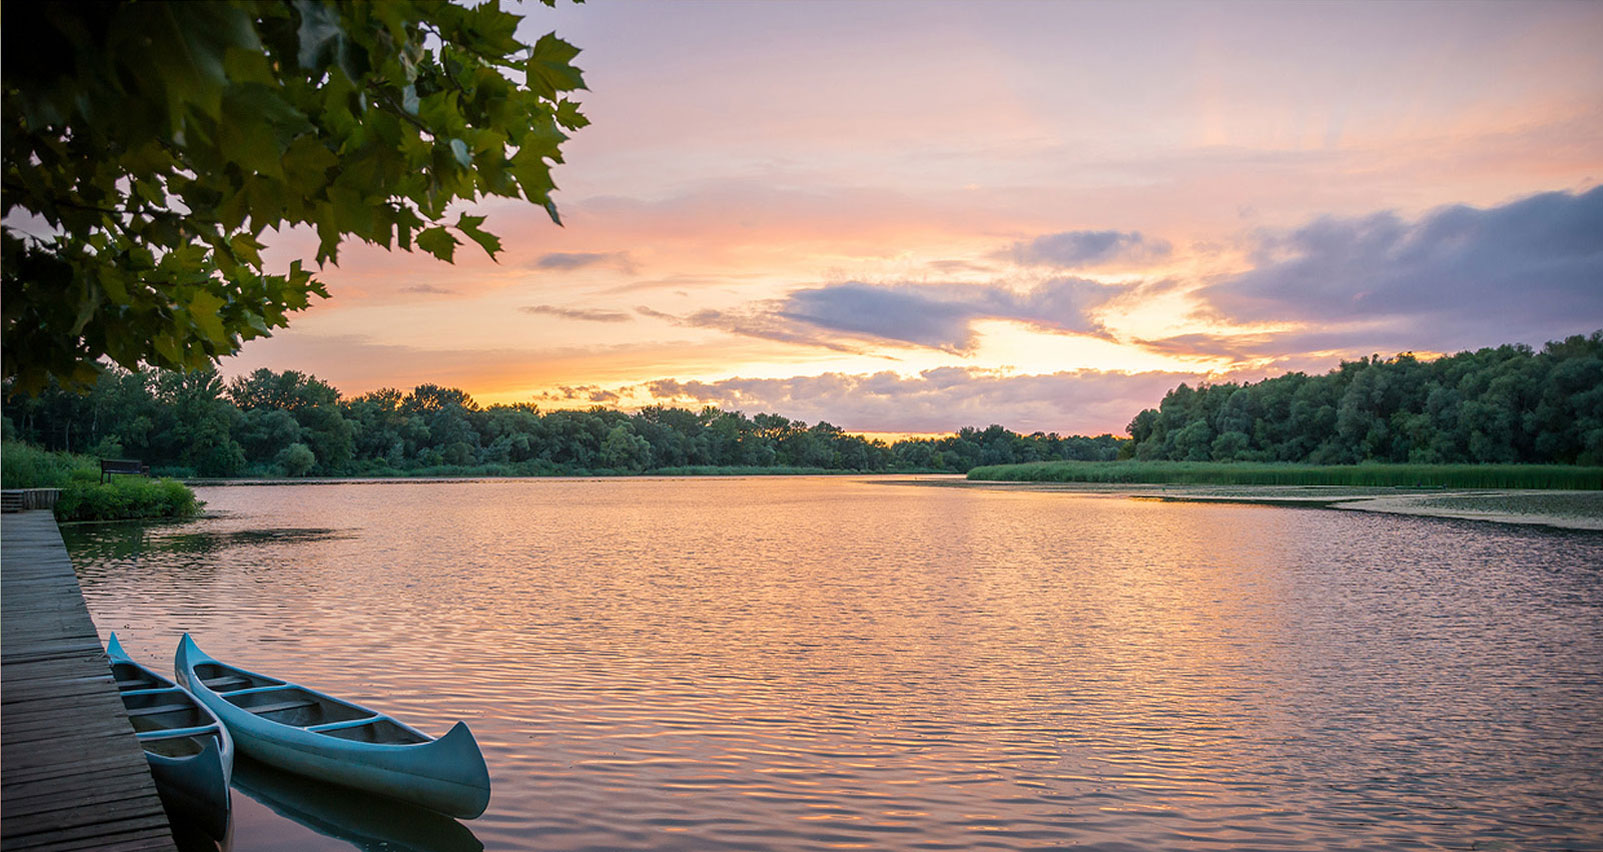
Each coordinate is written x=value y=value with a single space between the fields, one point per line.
x=825 y=662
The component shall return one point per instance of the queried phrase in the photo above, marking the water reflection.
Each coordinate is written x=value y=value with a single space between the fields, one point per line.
x=365 y=821
x=131 y=540
x=810 y=663
x=190 y=836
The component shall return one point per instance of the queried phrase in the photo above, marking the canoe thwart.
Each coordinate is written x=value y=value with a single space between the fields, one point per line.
x=173 y=733
x=250 y=690
x=332 y=726
x=275 y=707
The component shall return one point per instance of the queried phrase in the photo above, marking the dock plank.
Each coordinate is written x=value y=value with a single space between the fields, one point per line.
x=72 y=774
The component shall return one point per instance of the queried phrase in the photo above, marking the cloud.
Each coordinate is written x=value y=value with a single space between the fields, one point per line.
x=1075 y=249
x=428 y=288
x=759 y=322
x=942 y=316
x=589 y=393
x=568 y=260
x=577 y=313
x=938 y=400
x=905 y=313
x=1459 y=277
x=935 y=316
x=950 y=267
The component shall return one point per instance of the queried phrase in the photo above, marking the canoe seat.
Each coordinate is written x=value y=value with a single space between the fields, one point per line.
x=261 y=709
x=160 y=708
x=218 y=684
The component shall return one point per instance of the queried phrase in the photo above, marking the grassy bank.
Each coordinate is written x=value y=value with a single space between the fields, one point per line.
x=1252 y=473
x=779 y=470
x=83 y=496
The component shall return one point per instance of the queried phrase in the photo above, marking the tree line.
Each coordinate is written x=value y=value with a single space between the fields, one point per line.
x=1509 y=404
x=291 y=424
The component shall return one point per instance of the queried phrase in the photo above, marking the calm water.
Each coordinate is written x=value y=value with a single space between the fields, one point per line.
x=811 y=663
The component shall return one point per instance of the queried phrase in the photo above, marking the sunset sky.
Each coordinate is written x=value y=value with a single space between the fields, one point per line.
x=912 y=217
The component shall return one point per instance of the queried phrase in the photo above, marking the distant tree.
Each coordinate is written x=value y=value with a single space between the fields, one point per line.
x=297 y=460
x=147 y=146
x=624 y=450
x=290 y=390
x=197 y=422
x=1503 y=404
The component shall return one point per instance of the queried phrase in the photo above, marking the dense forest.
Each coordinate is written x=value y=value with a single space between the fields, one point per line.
x=1510 y=404
x=292 y=424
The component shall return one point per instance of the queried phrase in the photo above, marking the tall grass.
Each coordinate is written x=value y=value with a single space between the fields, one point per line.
x=1254 y=473
x=26 y=466
x=83 y=496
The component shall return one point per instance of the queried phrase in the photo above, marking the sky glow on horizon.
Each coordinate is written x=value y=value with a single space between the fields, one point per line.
x=913 y=217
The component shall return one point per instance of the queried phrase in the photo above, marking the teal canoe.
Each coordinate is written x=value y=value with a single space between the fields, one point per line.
x=190 y=753
x=310 y=733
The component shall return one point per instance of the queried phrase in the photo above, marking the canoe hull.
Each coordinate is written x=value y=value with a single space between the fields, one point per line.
x=193 y=787
x=447 y=775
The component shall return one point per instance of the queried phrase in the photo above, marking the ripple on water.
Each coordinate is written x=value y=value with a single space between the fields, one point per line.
x=815 y=663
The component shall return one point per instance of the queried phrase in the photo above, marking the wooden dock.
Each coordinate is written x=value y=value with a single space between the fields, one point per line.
x=72 y=775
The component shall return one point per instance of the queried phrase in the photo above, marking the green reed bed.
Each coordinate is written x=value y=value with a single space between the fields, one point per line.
x=1254 y=473
x=772 y=470
x=83 y=496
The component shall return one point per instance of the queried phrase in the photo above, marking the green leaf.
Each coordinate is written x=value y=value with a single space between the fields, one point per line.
x=172 y=136
x=469 y=226
x=548 y=69
x=203 y=312
x=438 y=242
x=255 y=323
x=352 y=213
x=533 y=174
x=246 y=248
x=568 y=115
x=167 y=347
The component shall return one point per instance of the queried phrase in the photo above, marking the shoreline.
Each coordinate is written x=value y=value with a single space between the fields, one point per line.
x=1557 y=509
x=1552 y=508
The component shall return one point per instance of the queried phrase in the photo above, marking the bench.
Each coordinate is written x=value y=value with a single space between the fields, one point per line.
x=110 y=467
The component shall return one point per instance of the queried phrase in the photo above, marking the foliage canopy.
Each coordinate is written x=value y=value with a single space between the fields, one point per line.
x=1508 y=405
x=148 y=145
x=289 y=423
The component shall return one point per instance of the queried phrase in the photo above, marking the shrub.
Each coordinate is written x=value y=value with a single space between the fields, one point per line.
x=297 y=459
x=126 y=497
x=83 y=496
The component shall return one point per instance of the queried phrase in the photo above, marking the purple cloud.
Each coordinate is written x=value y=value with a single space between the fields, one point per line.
x=942 y=316
x=1460 y=277
x=585 y=314
x=567 y=260
x=1075 y=249
x=937 y=316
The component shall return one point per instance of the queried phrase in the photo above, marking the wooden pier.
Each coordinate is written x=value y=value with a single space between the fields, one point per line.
x=72 y=775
